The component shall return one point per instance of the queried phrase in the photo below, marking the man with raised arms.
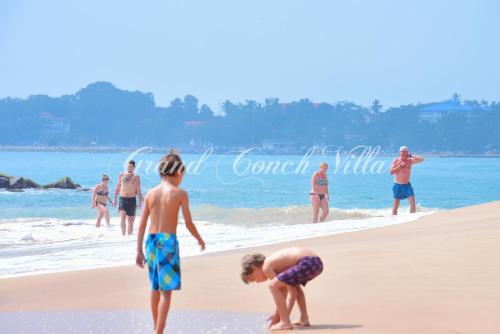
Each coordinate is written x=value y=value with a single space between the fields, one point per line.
x=401 y=169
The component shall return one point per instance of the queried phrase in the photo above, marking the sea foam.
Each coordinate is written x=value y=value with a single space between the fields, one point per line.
x=40 y=245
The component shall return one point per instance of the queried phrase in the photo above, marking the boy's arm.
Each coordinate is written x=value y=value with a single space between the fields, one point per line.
x=140 y=260
x=269 y=269
x=189 y=221
x=270 y=273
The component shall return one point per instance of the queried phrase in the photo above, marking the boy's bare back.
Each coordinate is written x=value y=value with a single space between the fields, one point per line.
x=164 y=202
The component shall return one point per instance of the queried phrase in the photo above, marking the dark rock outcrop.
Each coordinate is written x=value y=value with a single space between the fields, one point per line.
x=4 y=181
x=13 y=183
x=22 y=183
x=64 y=183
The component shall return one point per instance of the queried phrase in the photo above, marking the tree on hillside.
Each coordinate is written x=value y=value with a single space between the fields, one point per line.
x=103 y=114
x=376 y=107
x=456 y=97
x=190 y=105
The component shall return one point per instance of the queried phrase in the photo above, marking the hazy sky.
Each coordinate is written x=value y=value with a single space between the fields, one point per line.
x=397 y=51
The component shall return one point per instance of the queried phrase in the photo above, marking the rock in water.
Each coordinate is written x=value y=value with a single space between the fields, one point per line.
x=64 y=183
x=12 y=183
x=22 y=183
x=4 y=182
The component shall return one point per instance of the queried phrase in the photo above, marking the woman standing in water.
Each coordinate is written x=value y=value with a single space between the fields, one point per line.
x=99 y=199
x=319 y=193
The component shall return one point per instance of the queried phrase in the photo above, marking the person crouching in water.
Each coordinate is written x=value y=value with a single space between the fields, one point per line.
x=287 y=269
x=162 y=205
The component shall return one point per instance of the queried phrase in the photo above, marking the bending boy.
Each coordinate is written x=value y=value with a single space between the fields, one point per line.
x=287 y=269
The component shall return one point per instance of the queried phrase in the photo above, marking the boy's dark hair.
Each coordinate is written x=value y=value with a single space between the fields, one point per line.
x=171 y=164
x=247 y=264
x=131 y=162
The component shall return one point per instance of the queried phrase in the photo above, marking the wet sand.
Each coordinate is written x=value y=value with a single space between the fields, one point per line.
x=129 y=321
x=439 y=274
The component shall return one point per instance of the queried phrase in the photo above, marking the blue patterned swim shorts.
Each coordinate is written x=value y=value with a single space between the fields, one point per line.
x=162 y=256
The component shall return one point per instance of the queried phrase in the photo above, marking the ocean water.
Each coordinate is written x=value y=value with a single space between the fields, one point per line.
x=236 y=201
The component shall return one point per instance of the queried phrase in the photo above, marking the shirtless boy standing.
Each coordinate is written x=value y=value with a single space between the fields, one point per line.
x=163 y=203
x=129 y=187
x=287 y=269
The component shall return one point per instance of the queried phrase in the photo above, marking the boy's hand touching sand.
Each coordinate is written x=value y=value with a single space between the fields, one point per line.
x=273 y=319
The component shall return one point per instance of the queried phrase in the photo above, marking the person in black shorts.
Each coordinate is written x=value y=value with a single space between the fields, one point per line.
x=129 y=187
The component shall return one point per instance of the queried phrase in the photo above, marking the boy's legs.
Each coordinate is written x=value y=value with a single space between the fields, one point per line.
x=163 y=307
x=301 y=300
x=293 y=298
x=155 y=300
x=279 y=292
x=395 y=206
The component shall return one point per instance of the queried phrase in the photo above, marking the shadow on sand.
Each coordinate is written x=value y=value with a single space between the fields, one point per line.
x=328 y=326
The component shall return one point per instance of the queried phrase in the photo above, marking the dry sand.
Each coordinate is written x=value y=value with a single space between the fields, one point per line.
x=439 y=274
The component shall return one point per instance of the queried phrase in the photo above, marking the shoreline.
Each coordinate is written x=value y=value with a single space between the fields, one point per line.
x=242 y=248
x=227 y=151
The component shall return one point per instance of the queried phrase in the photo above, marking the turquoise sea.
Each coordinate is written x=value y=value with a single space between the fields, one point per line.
x=236 y=200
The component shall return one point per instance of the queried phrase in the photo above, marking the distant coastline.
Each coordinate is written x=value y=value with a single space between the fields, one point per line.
x=452 y=127
x=188 y=149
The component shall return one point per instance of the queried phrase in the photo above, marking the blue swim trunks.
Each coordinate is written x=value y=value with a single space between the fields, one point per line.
x=162 y=256
x=402 y=191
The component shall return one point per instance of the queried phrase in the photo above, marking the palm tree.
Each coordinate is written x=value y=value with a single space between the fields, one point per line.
x=376 y=106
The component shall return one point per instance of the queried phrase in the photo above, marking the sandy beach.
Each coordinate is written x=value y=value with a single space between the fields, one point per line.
x=439 y=274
